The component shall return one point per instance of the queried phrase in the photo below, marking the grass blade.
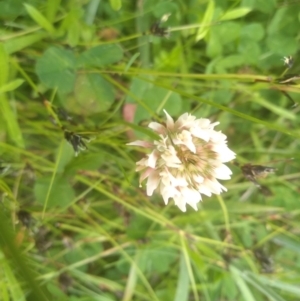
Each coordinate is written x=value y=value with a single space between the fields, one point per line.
x=242 y=285
x=17 y=44
x=39 y=18
x=182 y=288
x=6 y=111
x=236 y=13
x=203 y=30
x=11 y=85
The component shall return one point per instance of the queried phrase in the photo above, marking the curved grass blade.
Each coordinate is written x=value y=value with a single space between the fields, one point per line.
x=269 y=125
x=39 y=18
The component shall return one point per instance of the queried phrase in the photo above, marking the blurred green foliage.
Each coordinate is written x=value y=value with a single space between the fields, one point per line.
x=80 y=228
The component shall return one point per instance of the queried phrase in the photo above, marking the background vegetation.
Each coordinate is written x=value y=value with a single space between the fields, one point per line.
x=80 y=227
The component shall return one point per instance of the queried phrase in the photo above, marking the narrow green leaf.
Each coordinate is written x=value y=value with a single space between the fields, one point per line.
x=251 y=208
x=115 y=4
x=5 y=108
x=288 y=243
x=18 y=262
x=274 y=108
x=269 y=125
x=131 y=281
x=17 y=44
x=15 y=289
x=131 y=61
x=52 y=8
x=294 y=289
x=203 y=30
x=182 y=287
x=91 y=11
x=4 y=289
x=270 y=294
x=242 y=285
x=39 y=18
x=236 y=13
x=3 y=65
x=11 y=121
x=11 y=85
x=6 y=189
x=190 y=272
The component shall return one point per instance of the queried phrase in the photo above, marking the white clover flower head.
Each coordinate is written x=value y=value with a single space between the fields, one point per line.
x=187 y=160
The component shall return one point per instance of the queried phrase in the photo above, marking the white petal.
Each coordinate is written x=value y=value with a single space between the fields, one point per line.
x=142 y=164
x=199 y=179
x=170 y=121
x=152 y=183
x=185 y=121
x=200 y=133
x=185 y=138
x=218 y=137
x=180 y=203
x=224 y=153
x=202 y=123
x=204 y=190
x=214 y=186
x=161 y=145
x=179 y=181
x=170 y=157
x=191 y=196
x=169 y=180
x=212 y=125
x=157 y=127
x=165 y=177
x=146 y=174
x=140 y=143
x=152 y=159
x=188 y=196
x=168 y=192
x=222 y=172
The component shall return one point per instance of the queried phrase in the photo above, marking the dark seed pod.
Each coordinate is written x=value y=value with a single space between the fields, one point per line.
x=25 y=218
x=77 y=141
x=254 y=172
x=156 y=30
x=159 y=31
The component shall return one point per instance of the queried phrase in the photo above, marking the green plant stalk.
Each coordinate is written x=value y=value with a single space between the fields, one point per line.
x=13 y=254
x=52 y=179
